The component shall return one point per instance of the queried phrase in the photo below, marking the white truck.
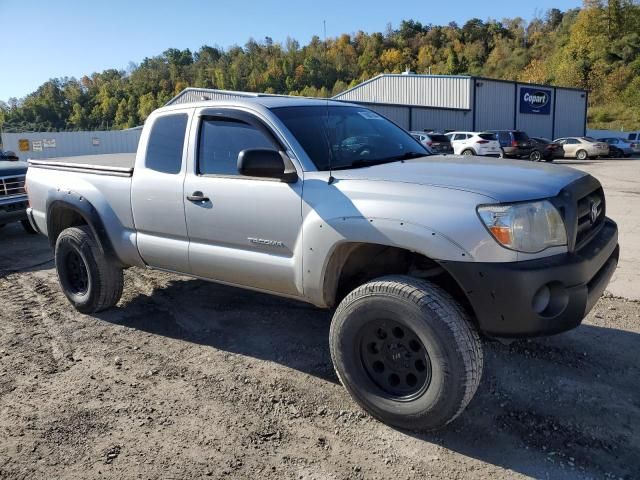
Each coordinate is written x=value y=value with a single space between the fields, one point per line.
x=330 y=203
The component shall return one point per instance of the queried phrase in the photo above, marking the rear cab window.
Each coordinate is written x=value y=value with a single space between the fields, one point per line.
x=166 y=143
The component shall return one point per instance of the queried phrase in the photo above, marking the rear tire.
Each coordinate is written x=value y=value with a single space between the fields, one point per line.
x=535 y=156
x=27 y=226
x=582 y=155
x=468 y=152
x=88 y=279
x=406 y=352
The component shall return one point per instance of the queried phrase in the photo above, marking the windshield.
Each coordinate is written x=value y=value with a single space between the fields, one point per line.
x=347 y=137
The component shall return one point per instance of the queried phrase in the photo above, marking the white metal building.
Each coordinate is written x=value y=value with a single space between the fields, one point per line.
x=68 y=144
x=444 y=102
x=415 y=102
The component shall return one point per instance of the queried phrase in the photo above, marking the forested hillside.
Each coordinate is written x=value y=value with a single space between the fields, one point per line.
x=596 y=47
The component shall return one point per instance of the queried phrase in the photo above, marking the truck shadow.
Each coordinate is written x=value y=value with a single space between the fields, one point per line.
x=565 y=406
x=23 y=252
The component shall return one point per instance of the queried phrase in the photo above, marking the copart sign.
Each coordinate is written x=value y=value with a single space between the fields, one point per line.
x=535 y=100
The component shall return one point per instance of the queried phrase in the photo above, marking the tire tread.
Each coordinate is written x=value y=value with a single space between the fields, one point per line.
x=427 y=295
x=109 y=280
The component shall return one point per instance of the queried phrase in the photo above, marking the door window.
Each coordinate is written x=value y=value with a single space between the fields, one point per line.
x=166 y=141
x=221 y=140
x=572 y=141
x=459 y=136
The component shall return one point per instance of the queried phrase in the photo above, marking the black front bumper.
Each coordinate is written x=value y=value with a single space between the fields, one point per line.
x=13 y=212
x=503 y=295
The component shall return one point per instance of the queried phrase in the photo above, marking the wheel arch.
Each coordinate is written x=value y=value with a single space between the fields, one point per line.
x=352 y=264
x=67 y=209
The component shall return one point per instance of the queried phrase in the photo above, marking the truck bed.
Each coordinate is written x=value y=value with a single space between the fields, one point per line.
x=120 y=164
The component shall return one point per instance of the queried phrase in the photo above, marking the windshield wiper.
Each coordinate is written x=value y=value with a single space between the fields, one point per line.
x=362 y=162
x=405 y=156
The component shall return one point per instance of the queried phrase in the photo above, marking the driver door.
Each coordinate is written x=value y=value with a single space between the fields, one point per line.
x=242 y=230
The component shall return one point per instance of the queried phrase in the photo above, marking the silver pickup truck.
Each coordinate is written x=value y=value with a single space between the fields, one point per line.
x=330 y=203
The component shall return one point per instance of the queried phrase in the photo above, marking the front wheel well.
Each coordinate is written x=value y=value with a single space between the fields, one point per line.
x=353 y=264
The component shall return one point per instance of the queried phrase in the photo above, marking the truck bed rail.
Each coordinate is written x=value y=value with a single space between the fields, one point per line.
x=95 y=169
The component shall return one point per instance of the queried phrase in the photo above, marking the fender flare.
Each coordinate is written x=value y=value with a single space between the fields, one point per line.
x=70 y=200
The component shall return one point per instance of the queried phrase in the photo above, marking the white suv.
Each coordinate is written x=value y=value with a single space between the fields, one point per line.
x=474 y=143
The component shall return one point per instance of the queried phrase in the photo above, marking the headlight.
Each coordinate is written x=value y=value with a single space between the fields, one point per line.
x=525 y=227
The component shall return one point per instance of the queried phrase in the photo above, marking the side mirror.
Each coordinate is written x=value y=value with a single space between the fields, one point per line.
x=266 y=163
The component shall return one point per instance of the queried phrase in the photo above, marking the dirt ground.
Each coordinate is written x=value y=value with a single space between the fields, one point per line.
x=186 y=379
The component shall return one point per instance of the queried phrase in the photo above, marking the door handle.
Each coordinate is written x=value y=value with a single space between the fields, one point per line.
x=197 y=197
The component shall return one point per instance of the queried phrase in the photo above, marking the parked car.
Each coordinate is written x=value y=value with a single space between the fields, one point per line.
x=583 y=147
x=475 y=143
x=618 y=147
x=514 y=143
x=545 y=149
x=8 y=155
x=418 y=254
x=634 y=140
x=13 y=197
x=436 y=142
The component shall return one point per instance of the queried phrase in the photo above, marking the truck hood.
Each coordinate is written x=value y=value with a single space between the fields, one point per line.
x=9 y=167
x=500 y=179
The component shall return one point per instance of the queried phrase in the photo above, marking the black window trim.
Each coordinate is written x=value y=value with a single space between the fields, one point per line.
x=240 y=116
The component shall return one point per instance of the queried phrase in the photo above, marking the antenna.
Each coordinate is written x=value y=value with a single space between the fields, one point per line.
x=330 y=156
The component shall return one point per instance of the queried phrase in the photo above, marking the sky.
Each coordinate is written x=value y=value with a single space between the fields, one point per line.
x=57 y=38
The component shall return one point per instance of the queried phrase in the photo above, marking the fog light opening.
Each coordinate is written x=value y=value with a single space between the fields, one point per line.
x=541 y=299
x=550 y=300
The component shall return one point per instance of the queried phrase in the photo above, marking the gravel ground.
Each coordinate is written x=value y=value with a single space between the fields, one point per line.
x=186 y=379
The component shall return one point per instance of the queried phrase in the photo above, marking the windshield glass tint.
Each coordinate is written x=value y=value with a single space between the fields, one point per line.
x=347 y=136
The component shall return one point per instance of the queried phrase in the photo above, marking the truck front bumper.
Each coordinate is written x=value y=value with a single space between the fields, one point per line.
x=13 y=211
x=543 y=296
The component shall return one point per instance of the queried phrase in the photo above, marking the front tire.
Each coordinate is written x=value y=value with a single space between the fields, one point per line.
x=27 y=226
x=88 y=279
x=406 y=352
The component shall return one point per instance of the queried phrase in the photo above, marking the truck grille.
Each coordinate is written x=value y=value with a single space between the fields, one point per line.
x=590 y=216
x=12 y=186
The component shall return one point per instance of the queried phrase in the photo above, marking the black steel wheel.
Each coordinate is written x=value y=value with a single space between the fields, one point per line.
x=77 y=275
x=395 y=359
x=406 y=352
x=88 y=278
